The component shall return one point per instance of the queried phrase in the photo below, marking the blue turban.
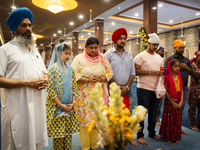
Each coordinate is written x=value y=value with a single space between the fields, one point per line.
x=16 y=17
x=160 y=47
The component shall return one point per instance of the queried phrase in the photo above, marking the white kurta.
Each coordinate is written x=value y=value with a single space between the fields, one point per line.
x=23 y=112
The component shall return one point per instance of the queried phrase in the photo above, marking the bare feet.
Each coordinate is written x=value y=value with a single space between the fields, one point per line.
x=157 y=138
x=195 y=128
x=142 y=141
x=169 y=142
x=158 y=123
x=177 y=141
x=133 y=142
x=184 y=132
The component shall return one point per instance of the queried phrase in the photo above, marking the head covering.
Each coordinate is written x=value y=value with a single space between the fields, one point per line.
x=16 y=17
x=169 y=82
x=160 y=47
x=153 y=38
x=117 y=33
x=177 y=43
x=196 y=54
x=63 y=86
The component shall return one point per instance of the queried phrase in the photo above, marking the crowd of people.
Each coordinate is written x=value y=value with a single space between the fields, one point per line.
x=28 y=117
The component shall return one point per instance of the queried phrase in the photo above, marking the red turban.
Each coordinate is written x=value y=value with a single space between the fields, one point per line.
x=117 y=33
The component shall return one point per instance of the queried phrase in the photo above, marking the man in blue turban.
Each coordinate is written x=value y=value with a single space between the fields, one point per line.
x=23 y=77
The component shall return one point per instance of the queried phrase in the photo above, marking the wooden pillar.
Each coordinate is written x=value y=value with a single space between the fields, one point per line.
x=52 y=47
x=99 y=31
x=150 y=15
x=61 y=40
x=47 y=56
x=75 y=42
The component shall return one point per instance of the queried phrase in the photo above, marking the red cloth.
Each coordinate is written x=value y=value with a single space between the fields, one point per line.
x=170 y=128
x=117 y=33
x=126 y=100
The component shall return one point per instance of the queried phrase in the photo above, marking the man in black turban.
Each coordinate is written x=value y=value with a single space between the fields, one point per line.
x=23 y=77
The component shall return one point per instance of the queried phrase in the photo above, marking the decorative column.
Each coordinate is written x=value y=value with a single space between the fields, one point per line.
x=99 y=31
x=75 y=42
x=150 y=15
x=47 y=56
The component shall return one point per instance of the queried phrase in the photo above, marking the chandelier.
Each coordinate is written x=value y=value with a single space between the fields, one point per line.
x=56 y=6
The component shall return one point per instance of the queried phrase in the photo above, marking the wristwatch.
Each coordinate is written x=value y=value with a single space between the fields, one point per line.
x=127 y=87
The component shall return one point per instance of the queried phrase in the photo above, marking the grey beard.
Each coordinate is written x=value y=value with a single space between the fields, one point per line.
x=26 y=41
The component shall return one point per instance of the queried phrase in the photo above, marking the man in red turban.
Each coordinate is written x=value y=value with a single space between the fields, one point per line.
x=123 y=66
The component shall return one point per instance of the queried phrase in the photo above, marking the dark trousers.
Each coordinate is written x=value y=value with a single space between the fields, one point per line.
x=148 y=100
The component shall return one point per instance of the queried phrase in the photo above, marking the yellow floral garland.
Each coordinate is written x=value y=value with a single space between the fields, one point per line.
x=143 y=38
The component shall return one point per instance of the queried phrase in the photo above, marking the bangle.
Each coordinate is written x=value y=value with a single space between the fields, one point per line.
x=127 y=87
x=149 y=72
x=25 y=81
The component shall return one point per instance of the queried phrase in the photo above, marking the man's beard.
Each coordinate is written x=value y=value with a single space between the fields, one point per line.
x=119 y=46
x=26 y=40
x=179 y=53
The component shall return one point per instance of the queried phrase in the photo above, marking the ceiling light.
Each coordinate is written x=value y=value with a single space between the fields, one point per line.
x=59 y=31
x=136 y=14
x=80 y=16
x=54 y=34
x=89 y=33
x=56 y=6
x=71 y=23
x=131 y=32
x=186 y=26
x=197 y=14
x=160 y=5
x=85 y=25
x=13 y=7
x=82 y=36
x=154 y=8
x=171 y=21
x=113 y=23
x=118 y=7
x=41 y=44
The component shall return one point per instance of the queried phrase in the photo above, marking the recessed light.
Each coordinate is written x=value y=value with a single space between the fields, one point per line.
x=197 y=14
x=54 y=34
x=89 y=33
x=85 y=25
x=71 y=23
x=59 y=31
x=131 y=32
x=136 y=14
x=160 y=5
x=82 y=36
x=154 y=8
x=118 y=7
x=41 y=44
x=186 y=26
x=80 y=16
x=113 y=23
x=171 y=21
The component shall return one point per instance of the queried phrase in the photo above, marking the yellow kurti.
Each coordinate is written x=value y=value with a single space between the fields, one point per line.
x=62 y=126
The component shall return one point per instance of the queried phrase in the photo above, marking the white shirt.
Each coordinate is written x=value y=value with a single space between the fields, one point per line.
x=23 y=112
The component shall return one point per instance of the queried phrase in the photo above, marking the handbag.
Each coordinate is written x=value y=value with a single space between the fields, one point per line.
x=160 y=89
x=126 y=101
